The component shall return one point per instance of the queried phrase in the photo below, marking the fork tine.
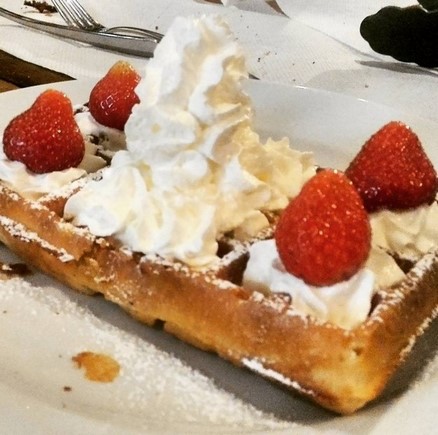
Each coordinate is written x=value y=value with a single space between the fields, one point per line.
x=83 y=22
x=74 y=14
x=82 y=12
x=64 y=13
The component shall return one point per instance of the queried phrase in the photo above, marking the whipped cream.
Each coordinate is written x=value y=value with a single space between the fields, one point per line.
x=345 y=304
x=409 y=233
x=32 y=186
x=194 y=168
x=110 y=139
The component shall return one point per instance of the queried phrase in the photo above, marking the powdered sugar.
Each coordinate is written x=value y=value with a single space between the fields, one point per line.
x=18 y=230
x=257 y=366
x=393 y=296
x=154 y=389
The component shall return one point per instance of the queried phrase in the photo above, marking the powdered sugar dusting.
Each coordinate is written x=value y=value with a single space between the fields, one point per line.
x=394 y=296
x=257 y=366
x=19 y=231
x=277 y=302
x=421 y=329
x=154 y=389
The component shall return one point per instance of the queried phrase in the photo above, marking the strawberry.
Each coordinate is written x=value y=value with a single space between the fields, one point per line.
x=392 y=170
x=45 y=137
x=323 y=236
x=112 y=98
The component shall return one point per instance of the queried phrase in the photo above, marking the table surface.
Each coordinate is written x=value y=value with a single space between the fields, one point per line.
x=16 y=73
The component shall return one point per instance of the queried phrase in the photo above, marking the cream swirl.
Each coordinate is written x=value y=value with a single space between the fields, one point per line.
x=409 y=233
x=32 y=186
x=345 y=304
x=109 y=138
x=194 y=168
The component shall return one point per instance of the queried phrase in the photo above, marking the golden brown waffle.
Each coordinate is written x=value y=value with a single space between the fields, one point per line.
x=339 y=369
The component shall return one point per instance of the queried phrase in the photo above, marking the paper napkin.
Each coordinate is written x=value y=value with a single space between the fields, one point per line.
x=316 y=44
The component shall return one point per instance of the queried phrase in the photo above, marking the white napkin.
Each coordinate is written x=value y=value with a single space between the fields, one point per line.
x=277 y=48
x=317 y=47
x=262 y=6
x=374 y=76
x=338 y=18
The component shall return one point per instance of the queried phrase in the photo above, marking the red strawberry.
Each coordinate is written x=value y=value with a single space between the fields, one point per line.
x=112 y=98
x=45 y=137
x=323 y=236
x=392 y=170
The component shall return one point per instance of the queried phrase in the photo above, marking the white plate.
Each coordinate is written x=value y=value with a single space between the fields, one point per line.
x=166 y=385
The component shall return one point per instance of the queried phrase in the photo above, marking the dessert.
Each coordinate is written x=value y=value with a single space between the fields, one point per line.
x=112 y=108
x=169 y=228
x=398 y=184
x=324 y=258
x=392 y=170
x=57 y=146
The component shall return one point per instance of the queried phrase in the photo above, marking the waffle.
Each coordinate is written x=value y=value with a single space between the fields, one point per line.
x=340 y=369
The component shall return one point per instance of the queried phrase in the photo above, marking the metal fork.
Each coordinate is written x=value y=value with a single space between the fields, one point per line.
x=75 y=15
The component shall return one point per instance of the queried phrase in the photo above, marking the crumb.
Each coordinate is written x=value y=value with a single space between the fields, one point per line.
x=67 y=389
x=42 y=7
x=98 y=367
x=15 y=269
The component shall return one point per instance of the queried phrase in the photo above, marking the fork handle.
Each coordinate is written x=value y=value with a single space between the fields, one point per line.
x=129 y=30
x=126 y=44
